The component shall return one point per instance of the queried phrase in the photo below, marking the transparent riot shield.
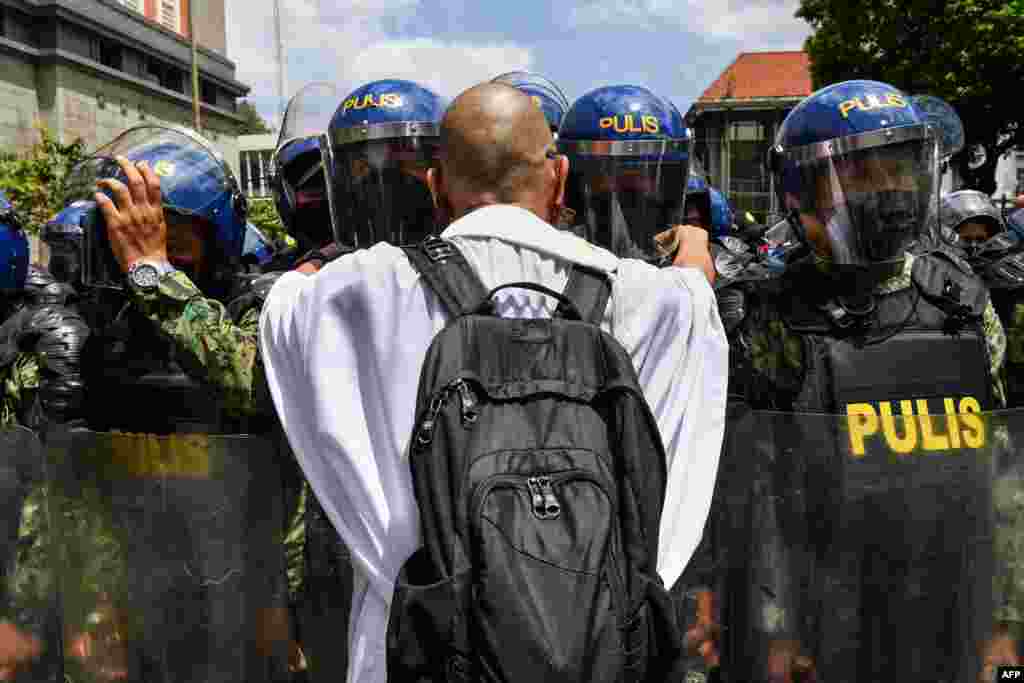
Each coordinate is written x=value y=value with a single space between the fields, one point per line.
x=168 y=551
x=30 y=643
x=882 y=545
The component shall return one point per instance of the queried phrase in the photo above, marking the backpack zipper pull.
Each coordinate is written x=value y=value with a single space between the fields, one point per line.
x=545 y=505
x=426 y=431
x=538 y=498
x=552 y=508
x=468 y=402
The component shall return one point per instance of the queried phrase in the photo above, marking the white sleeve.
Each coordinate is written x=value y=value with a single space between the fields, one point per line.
x=340 y=379
x=679 y=348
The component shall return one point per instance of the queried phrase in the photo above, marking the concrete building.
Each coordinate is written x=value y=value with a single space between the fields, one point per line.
x=736 y=119
x=91 y=68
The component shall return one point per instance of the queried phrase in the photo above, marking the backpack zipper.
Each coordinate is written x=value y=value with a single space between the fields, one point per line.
x=467 y=406
x=467 y=401
x=545 y=505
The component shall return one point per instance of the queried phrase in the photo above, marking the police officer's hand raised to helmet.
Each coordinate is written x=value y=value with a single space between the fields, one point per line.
x=691 y=247
x=135 y=219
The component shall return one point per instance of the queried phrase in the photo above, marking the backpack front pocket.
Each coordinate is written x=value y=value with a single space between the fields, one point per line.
x=543 y=594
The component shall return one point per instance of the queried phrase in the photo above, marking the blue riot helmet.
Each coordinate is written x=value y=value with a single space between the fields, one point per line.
x=722 y=216
x=968 y=220
x=383 y=139
x=545 y=94
x=201 y=199
x=299 y=183
x=629 y=160
x=698 y=200
x=13 y=249
x=856 y=167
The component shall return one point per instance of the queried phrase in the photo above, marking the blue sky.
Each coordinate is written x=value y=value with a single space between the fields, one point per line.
x=674 y=47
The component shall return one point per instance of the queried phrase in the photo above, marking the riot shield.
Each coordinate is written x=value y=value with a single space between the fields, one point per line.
x=30 y=644
x=168 y=551
x=884 y=545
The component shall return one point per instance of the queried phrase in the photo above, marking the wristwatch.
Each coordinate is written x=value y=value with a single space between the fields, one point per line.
x=144 y=276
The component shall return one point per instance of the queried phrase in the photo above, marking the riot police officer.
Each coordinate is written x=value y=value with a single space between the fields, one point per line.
x=299 y=182
x=37 y=337
x=198 y=536
x=855 y=166
x=629 y=159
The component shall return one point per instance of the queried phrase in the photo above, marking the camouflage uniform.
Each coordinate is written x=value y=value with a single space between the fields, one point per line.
x=776 y=354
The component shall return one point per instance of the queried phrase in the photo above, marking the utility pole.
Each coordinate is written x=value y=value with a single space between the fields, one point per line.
x=195 y=64
x=281 y=92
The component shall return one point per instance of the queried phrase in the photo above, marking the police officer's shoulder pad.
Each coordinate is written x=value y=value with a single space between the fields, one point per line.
x=948 y=283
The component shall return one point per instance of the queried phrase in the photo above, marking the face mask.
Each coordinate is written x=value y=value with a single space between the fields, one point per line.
x=885 y=223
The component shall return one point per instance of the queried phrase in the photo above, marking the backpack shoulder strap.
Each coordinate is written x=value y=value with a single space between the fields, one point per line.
x=589 y=290
x=448 y=273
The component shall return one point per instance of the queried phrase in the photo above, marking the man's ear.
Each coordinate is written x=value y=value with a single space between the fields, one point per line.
x=563 y=179
x=435 y=183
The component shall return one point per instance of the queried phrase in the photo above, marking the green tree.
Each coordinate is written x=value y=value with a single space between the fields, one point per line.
x=968 y=52
x=263 y=215
x=32 y=181
x=253 y=122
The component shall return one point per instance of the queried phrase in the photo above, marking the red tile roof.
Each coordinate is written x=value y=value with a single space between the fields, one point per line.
x=756 y=75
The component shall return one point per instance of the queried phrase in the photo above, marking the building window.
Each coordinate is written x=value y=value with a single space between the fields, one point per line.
x=167 y=76
x=137 y=5
x=749 y=186
x=207 y=92
x=255 y=167
x=170 y=15
x=111 y=55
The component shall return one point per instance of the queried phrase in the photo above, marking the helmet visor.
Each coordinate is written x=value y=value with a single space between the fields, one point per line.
x=624 y=202
x=382 y=191
x=193 y=177
x=867 y=206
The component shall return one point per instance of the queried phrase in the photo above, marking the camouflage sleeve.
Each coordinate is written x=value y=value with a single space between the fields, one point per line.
x=20 y=379
x=215 y=348
x=772 y=355
x=996 y=340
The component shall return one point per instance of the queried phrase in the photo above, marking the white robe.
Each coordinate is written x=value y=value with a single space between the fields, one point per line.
x=343 y=351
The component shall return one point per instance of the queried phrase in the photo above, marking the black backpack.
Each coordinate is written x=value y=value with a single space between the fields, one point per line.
x=540 y=477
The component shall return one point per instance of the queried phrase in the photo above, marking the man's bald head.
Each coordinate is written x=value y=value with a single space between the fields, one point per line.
x=494 y=141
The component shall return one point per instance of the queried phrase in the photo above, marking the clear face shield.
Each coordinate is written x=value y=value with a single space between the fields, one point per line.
x=865 y=200
x=624 y=194
x=195 y=184
x=299 y=160
x=380 y=188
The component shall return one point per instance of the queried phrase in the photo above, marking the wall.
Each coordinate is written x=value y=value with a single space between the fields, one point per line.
x=19 y=106
x=98 y=110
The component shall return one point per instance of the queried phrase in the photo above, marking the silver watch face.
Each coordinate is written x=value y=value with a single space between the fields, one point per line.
x=145 y=276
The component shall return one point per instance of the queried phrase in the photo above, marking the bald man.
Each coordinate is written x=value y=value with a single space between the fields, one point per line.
x=343 y=347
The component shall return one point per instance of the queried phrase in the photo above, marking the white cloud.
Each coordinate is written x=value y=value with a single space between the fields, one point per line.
x=350 y=42
x=764 y=23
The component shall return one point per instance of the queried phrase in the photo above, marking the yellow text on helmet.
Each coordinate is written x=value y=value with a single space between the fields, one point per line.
x=631 y=123
x=389 y=100
x=872 y=101
x=917 y=427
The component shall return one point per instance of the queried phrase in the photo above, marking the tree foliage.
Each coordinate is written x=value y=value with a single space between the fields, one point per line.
x=33 y=181
x=253 y=122
x=263 y=215
x=968 y=52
